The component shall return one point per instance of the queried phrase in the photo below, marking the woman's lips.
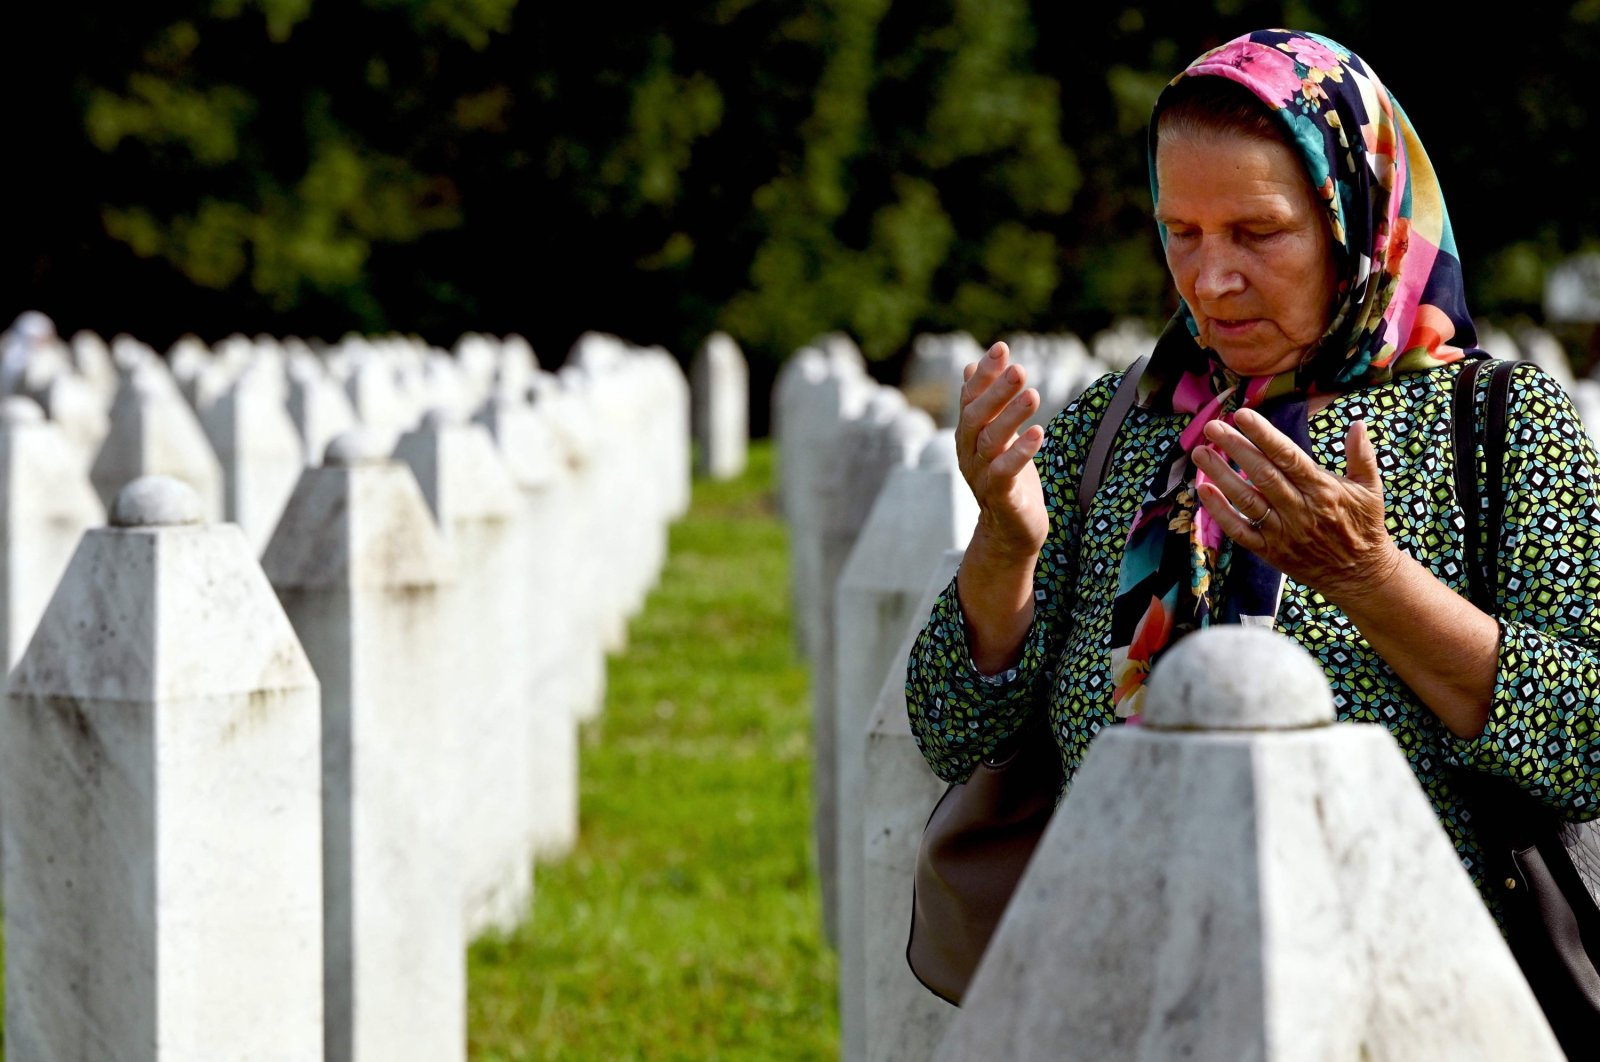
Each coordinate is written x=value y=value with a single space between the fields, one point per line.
x=1235 y=327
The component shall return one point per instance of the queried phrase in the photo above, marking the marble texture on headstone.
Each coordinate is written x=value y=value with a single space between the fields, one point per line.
x=376 y=397
x=921 y=513
x=31 y=336
x=154 y=432
x=75 y=406
x=565 y=547
x=360 y=570
x=319 y=409
x=800 y=372
x=826 y=393
x=163 y=890
x=640 y=403
x=886 y=436
x=476 y=356
x=672 y=419
x=492 y=727
x=199 y=372
x=92 y=358
x=515 y=365
x=1268 y=894
x=617 y=527
x=260 y=452
x=720 y=387
x=48 y=504
x=904 y=1021
x=932 y=379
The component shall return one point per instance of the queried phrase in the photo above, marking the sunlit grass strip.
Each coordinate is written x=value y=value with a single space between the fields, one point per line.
x=686 y=925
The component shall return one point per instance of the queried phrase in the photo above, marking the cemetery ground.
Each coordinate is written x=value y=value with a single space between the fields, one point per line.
x=686 y=924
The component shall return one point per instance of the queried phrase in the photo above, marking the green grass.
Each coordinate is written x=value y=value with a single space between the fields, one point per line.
x=686 y=924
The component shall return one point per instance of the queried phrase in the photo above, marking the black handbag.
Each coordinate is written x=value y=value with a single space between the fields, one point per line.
x=1545 y=871
x=983 y=831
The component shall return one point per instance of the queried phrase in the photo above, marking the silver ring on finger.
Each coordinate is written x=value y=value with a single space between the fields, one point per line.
x=1255 y=525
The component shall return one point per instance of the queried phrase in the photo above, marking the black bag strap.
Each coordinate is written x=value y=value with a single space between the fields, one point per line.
x=1105 y=434
x=1482 y=547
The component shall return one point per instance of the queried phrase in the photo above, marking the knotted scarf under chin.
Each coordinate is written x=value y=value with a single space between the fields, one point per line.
x=1179 y=573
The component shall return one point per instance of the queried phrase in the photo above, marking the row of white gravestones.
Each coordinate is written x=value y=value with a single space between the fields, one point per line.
x=518 y=723
x=839 y=436
x=1059 y=365
x=921 y=512
x=604 y=406
x=833 y=473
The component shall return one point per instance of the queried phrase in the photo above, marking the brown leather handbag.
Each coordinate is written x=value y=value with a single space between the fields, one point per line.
x=983 y=831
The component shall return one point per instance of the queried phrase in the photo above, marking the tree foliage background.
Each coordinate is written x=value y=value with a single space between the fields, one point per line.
x=774 y=169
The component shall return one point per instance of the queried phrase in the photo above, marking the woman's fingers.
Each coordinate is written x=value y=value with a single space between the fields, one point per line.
x=1233 y=488
x=988 y=404
x=997 y=434
x=1267 y=457
x=991 y=392
x=1228 y=518
x=1014 y=458
x=977 y=377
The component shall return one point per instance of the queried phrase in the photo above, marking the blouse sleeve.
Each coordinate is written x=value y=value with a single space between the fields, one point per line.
x=959 y=716
x=1543 y=729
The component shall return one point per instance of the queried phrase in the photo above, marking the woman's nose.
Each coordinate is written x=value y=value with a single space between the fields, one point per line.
x=1218 y=274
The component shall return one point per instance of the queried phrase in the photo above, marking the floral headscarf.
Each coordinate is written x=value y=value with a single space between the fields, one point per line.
x=1401 y=309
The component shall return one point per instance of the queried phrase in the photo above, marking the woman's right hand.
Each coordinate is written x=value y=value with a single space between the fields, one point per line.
x=997 y=462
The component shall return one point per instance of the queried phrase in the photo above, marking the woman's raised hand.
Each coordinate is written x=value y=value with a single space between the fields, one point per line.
x=996 y=461
x=1323 y=530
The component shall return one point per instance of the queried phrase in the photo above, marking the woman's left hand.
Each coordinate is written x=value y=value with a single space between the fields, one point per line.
x=1322 y=530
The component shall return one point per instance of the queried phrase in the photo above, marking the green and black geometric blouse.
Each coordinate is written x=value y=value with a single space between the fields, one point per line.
x=1544 y=724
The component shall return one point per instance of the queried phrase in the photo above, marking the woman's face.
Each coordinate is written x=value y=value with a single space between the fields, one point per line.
x=1248 y=247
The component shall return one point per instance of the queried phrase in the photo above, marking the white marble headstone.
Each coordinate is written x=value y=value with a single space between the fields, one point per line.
x=1221 y=882
x=159 y=763
x=720 y=386
x=154 y=432
x=493 y=727
x=361 y=571
x=921 y=513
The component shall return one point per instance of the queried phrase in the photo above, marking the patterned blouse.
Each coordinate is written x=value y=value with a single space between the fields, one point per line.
x=1544 y=723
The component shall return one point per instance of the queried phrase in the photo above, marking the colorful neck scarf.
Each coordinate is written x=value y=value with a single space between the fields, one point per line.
x=1401 y=308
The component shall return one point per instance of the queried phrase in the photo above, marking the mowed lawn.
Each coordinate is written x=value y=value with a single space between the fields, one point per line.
x=686 y=924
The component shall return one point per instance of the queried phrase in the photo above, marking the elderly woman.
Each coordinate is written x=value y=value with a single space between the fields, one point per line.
x=1287 y=463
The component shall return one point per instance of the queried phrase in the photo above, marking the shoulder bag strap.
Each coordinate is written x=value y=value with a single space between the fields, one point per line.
x=1494 y=479
x=1481 y=553
x=1105 y=435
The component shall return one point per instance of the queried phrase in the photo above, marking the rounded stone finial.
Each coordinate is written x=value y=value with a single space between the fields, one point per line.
x=19 y=409
x=358 y=446
x=156 y=501
x=1237 y=678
